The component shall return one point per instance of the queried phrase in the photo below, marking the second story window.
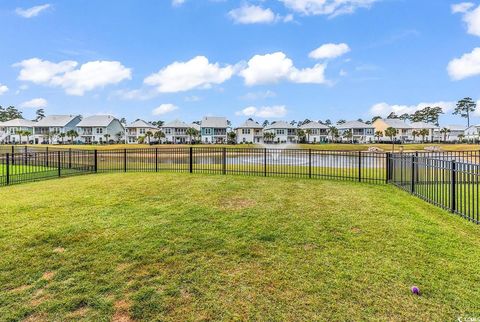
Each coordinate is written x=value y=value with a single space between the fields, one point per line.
x=99 y=130
x=142 y=131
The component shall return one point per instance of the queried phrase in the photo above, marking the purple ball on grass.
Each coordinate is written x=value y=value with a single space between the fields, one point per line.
x=415 y=290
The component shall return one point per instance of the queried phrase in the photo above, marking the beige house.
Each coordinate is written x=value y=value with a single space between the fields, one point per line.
x=404 y=130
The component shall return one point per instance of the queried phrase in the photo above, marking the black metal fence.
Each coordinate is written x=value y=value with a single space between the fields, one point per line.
x=450 y=184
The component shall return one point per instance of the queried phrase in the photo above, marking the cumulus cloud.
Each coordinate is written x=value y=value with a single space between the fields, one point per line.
x=32 y=12
x=384 y=109
x=177 y=3
x=3 y=89
x=164 y=109
x=251 y=14
x=75 y=81
x=264 y=111
x=329 y=51
x=271 y=68
x=331 y=8
x=471 y=16
x=35 y=103
x=466 y=66
x=183 y=76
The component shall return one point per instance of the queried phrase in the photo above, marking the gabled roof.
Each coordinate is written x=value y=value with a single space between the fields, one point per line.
x=214 y=121
x=454 y=127
x=97 y=120
x=176 y=124
x=423 y=125
x=280 y=125
x=397 y=123
x=55 y=120
x=141 y=124
x=18 y=123
x=314 y=125
x=250 y=124
x=354 y=125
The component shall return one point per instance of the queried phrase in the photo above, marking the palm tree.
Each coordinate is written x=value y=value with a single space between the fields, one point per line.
x=424 y=133
x=348 y=135
x=141 y=139
x=444 y=131
x=191 y=132
x=378 y=135
x=269 y=136
x=62 y=136
x=415 y=133
x=391 y=133
x=20 y=134
x=149 y=134
x=72 y=134
x=106 y=136
x=308 y=132
x=231 y=137
x=461 y=137
x=301 y=135
x=159 y=135
x=333 y=132
x=27 y=134
x=119 y=135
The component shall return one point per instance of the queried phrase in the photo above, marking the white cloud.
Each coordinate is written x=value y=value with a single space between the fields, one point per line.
x=462 y=7
x=384 y=109
x=470 y=17
x=331 y=8
x=271 y=68
x=466 y=66
x=164 y=109
x=177 y=3
x=31 y=12
x=329 y=51
x=89 y=76
x=35 y=103
x=251 y=14
x=264 y=111
x=3 y=89
x=184 y=76
x=259 y=95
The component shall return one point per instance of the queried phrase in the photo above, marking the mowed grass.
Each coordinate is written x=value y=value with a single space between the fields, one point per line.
x=178 y=247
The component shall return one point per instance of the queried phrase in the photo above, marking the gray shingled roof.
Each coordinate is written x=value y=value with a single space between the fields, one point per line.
x=96 y=120
x=18 y=123
x=280 y=125
x=55 y=121
x=314 y=125
x=354 y=125
x=249 y=124
x=176 y=124
x=397 y=123
x=423 y=125
x=214 y=121
x=141 y=124
x=455 y=127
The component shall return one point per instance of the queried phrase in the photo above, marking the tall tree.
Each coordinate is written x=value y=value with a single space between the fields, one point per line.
x=404 y=117
x=464 y=108
x=341 y=122
x=9 y=113
x=375 y=118
x=39 y=114
x=265 y=123
x=392 y=116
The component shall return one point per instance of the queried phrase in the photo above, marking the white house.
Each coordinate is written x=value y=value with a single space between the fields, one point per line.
x=472 y=133
x=453 y=133
x=176 y=132
x=315 y=132
x=214 y=129
x=9 y=131
x=361 y=132
x=138 y=129
x=100 y=129
x=432 y=128
x=249 y=132
x=284 y=132
x=404 y=130
x=51 y=128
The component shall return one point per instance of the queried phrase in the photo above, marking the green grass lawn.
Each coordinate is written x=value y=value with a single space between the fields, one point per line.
x=180 y=247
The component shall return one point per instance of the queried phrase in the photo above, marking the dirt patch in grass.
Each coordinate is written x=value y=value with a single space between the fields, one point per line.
x=122 y=308
x=39 y=297
x=20 y=289
x=356 y=230
x=81 y=312
x=59 y=250
x=236 y=203
x=36 y=317
x=48 y=275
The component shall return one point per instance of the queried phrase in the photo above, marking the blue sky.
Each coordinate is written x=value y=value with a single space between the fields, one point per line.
x=164 y=59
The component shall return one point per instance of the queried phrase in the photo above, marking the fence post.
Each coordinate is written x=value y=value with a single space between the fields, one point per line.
x=359 y=166
x=265 y=162
x=70 y=158
x=412 y=179
x=224 y=159
x=8 y=169
x=13 y=155
x=453 y=203
x=191 y=160
x=387 y=167
x=46 y=160
x=124 y=160
x=59 y=165
x=156 y=159
x=310 y=163
x=25 y=156
x=95 y=160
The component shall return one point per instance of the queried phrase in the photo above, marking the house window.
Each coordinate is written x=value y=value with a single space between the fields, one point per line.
x=280 y=131
x=245 y=131
x=99 y=130
x=208 y=131
x=142 y=131
x=168 y=131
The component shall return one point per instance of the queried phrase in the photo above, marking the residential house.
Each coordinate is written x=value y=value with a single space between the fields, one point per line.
x=249 y=132
x=315 y=132
x=284 y=132
x=404 y=130
x=432 y=128
x=176 y=132
x=452 y=134
x=472 y=133
x=10 y=131
x=53 y=129
x=100 y=129
x=138 y=129
x=214 y=129
x=361 y=132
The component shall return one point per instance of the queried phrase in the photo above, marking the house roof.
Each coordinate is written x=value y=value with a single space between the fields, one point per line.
x=18 y=123
x=397 y=123
x=314 y=125
x=455 y=127
x=195 y=126
x=280 y=125
x=423 y=125
x=55 y=121
x=214 y=121
x=250 y=124
x=354 y=125
x=176 y=124
x=141 y=124
x=96 y=120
